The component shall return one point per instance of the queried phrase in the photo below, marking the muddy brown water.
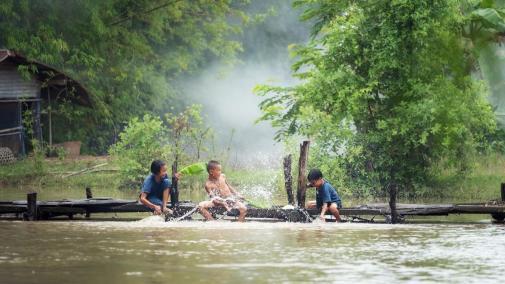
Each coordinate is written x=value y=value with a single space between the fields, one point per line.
x=151 y=251
x=456 y=249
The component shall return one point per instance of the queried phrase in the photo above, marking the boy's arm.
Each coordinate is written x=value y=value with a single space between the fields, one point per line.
x=232 y=190
x=164 y=203
x=208 y=189
x=144 y=192
x=146 y=202
x=325 y=198
x=323 y=211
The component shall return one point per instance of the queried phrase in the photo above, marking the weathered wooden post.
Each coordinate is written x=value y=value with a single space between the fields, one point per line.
x=31 y=207
x=393 y=191
x=302 y=169
x=89 y=195
x=174 y=192
x=503 y=191
x=500 y=216
x=288 y=179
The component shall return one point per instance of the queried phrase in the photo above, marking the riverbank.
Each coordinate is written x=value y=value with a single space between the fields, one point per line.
x=68 y=178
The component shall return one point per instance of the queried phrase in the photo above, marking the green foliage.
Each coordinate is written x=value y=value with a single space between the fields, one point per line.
x=38 y=156
x=385 y=92
x=139 y=144
x=484 y=29
x=61 y=153
x=193 y=169
x=188 y=134
x=485 y=21
x=179 y=137
x=127 y=53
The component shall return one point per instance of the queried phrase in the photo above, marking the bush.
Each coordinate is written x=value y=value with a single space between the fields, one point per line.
x=179 y=137
x=139 y=144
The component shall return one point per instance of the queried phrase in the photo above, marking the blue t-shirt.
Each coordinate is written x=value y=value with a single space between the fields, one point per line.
x=326 y=193
x=155 y=189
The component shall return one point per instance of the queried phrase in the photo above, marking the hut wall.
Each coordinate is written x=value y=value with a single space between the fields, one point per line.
x=14 y=86
x=16 y=94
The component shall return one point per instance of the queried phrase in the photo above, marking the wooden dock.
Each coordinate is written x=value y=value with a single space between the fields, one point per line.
x=31 y=209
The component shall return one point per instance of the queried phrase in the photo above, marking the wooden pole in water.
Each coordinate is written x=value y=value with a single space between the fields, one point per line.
x=500 y=216
x=89 y=195
x=393 y=191
x=288 y=179
x=503 y=191
x=302 y=169
x=31 y=207
x=174 y=192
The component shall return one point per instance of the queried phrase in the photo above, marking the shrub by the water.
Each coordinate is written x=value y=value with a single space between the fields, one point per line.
x=142 y=141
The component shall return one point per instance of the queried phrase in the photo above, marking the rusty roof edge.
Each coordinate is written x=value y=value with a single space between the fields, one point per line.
x=4 y=54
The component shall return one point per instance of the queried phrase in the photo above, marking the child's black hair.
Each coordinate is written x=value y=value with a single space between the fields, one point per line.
x=156 y=166
x=314 y=174
x=212 y=164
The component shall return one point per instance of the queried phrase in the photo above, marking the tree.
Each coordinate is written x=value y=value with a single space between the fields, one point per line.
x=188 y=134
x=384 y=87
x=127 y=53
x=141 y=142
x=485 y=29
x=176 y=138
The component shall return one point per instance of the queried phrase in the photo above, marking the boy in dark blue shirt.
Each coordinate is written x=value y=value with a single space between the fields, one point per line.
x=327 y=198
x=156 y=188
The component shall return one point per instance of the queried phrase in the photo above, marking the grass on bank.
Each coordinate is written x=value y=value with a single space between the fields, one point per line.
x=263 y=187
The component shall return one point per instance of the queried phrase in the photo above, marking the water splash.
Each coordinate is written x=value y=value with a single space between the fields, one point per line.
x=155 y=219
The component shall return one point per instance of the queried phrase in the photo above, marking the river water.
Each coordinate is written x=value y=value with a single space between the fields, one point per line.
x=151 y=251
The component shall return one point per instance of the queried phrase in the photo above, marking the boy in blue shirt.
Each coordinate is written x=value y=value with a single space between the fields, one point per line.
x=156 y=188
x=327 y=198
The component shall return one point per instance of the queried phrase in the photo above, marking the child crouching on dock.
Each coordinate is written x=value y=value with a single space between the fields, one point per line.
x=156 y=188
x=327 y=198
x=221 y=193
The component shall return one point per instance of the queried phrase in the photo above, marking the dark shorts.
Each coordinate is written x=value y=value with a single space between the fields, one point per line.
x=339 y=204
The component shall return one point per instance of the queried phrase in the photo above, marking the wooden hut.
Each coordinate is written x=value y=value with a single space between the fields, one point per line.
x=26 y=85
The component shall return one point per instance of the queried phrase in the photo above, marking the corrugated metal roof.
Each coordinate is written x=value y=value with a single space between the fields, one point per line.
x=12 y=87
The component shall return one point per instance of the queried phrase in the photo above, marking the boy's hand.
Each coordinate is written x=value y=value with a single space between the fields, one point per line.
x=322 y=218
x=177 y=176
x=157 y=210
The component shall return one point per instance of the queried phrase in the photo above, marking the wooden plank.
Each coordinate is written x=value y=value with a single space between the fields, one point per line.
x=12 y=208
x=472 y=209
x=61 y=210
x=48 y=209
